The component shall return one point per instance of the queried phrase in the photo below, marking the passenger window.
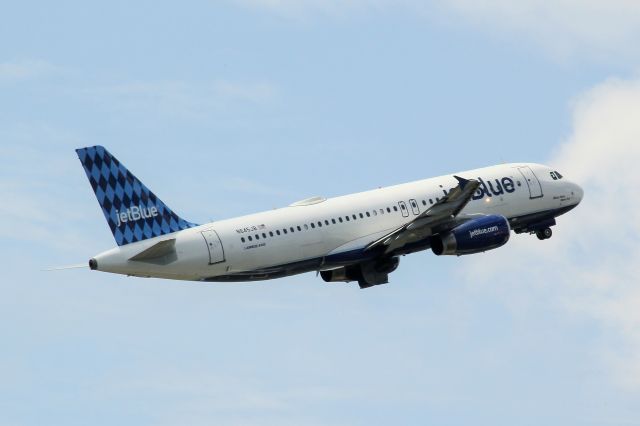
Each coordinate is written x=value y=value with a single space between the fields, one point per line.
x=249 y=237
x=403 y=207
x=375 y=212
x=242 y=239
x=395 y=208
x=333 y=221
x=271 y=233
x=326 y=222
x=430 y=200
x=340 y=219
x=278 y=232
x=257 y=237
x=424 y=202
x=354 y=217
x=388 y=210
x=299 y=229
x=264 y=235
x=284 y=230
x=361 y=216
x=319 y=224
x=292 y=230
x=306 y=227
x=313 y=225
x=347 y=217
x=368 y=214
x=381 y=211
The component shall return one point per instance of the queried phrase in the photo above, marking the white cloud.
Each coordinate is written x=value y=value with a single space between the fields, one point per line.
x=248 y=186
x=565 y=27
x=175 y=97
x=34 y=187
x=590 y=268
x=302 y=8
x=26 y=69
x=251 y=92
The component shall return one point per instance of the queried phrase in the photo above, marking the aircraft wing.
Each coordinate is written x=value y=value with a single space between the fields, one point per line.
x=436 y=219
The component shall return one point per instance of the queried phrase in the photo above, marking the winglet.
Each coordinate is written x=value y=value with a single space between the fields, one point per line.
x=462 y=181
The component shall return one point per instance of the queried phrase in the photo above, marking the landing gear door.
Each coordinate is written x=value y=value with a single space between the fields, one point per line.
x=535 y=189
x=214 y=245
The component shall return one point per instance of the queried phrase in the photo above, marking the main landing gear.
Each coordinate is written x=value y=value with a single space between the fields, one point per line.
x=544 y=234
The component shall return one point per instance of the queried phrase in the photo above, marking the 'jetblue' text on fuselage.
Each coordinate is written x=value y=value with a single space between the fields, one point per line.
x=498 y=187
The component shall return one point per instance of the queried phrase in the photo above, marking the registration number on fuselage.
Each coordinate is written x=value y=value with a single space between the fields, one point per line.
x=248 y=229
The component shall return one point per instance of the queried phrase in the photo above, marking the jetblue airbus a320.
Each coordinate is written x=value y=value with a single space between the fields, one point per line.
x=358 y=237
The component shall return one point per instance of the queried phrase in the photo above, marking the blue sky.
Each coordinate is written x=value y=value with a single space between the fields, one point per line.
x=226 y=108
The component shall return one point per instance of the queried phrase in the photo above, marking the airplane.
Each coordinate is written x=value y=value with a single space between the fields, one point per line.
x=353 y=238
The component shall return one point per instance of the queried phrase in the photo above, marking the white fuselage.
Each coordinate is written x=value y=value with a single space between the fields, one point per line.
x=326 y=229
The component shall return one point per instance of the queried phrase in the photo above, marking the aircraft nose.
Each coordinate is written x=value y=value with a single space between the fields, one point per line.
x=577 y=192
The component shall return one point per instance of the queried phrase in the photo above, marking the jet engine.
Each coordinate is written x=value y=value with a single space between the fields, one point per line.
x=475 y=236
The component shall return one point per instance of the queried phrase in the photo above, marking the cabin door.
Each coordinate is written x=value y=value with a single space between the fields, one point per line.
x=535 y=189
x=216 y=252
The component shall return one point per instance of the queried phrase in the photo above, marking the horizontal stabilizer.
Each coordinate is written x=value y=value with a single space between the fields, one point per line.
x=161 y=249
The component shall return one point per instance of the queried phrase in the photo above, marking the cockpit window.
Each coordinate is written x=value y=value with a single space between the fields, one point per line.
x=555 y=175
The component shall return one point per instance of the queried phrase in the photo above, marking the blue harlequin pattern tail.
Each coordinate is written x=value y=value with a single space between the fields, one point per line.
x=133 y=212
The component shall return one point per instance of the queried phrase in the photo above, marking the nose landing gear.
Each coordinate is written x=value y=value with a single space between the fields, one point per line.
x=544 y=234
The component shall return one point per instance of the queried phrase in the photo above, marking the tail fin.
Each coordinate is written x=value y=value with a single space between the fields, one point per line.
x=133 y=212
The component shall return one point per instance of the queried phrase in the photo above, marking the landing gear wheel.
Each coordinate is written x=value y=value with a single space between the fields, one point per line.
x=544 y=234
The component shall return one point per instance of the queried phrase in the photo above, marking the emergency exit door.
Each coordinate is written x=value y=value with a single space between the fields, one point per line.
x=403 y=209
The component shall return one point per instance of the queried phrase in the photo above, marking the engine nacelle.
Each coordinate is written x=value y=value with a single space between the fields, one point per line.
x=475 y=236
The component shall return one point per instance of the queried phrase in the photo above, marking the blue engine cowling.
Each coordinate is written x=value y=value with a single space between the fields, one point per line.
x=475 y=236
